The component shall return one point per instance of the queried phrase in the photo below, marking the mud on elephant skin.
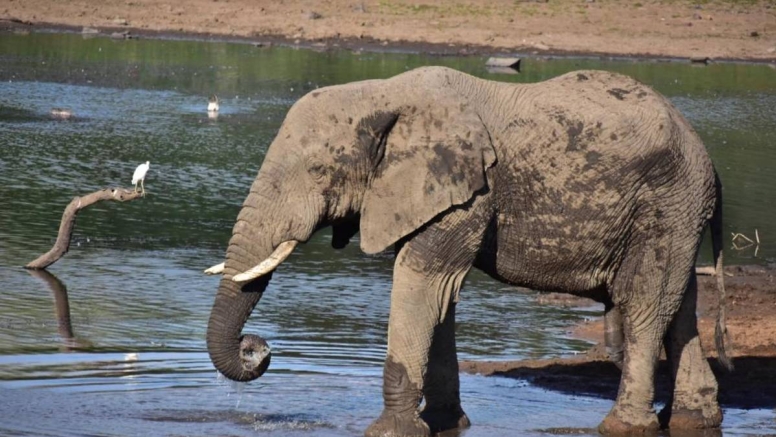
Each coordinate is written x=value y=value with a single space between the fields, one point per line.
x=590 y=183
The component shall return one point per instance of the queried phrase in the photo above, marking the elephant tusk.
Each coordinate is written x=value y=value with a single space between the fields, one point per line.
x=215 y=270
x=278 y=256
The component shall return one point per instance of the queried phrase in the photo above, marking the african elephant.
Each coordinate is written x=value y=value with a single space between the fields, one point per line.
x=590 y=183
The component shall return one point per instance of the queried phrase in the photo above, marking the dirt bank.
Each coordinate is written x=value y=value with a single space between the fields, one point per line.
x=721 y=29
x=751 y=306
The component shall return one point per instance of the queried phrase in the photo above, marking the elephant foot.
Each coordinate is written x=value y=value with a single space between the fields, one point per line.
x=443 y=418
x=613 y=424
x=686 y=419
x=398 y=425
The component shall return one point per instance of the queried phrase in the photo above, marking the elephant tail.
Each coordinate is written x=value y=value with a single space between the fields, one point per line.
x=720 y=333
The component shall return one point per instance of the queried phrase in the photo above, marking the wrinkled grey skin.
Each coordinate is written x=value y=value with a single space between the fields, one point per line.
x=589 y=183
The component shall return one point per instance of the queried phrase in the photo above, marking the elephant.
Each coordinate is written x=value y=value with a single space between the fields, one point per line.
x=589 y=183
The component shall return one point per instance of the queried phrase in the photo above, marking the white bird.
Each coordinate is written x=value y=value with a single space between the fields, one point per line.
x=61 y=114
x=212 y=103
x=139 y=175
x=132 y=356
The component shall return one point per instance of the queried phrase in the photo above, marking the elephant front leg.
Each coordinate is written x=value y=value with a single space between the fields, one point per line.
x=401 y=396
x=441 y=388
x=418 y=300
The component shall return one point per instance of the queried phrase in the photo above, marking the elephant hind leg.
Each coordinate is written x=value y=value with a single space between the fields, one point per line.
x=614 y=339
x=694 y=401
x=648 y=290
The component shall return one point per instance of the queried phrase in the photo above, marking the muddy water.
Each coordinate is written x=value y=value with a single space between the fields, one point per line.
x=130 y=358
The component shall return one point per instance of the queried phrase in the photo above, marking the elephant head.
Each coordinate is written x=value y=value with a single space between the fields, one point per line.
x=382 y=157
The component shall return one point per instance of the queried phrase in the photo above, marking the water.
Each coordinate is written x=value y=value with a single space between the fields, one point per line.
x=132 y=360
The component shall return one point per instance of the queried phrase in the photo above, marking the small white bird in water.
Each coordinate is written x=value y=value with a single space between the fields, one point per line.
x=61 y=114
x=212 y=104
x=132 y=356
x=140 y=174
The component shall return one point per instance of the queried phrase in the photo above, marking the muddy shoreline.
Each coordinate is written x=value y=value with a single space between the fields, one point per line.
x=365 y=44
x=724 y=32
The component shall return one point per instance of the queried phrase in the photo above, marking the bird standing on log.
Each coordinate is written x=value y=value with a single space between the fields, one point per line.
x=140 y=174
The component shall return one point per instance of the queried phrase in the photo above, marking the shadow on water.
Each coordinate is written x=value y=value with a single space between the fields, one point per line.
x=751 y=385
x=674 y=433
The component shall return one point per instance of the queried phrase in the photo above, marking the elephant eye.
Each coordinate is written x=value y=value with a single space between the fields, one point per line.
x=317 y=170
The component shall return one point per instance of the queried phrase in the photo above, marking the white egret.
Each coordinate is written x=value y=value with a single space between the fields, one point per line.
x=140 y=174
x=61 y=114
x=132 y=356
x=212 y=104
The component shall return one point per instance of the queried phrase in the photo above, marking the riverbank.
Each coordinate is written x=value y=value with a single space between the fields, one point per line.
x=721 y=29
x=751 y=322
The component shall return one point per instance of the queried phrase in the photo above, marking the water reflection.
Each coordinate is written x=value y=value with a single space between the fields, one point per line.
x=70 y=342
x=62 y=309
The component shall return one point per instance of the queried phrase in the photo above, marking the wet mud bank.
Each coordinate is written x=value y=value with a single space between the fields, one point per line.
x=723 y=30
x=751 y=322
x=366 y=44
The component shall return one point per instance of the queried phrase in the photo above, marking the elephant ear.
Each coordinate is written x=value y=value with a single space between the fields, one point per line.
x=432 y=158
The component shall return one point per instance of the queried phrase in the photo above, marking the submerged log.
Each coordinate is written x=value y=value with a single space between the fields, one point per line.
x=67 y=224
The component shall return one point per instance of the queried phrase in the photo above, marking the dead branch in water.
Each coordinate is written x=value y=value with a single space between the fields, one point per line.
x=747 y=242
x=67 y=224
x=741 y=236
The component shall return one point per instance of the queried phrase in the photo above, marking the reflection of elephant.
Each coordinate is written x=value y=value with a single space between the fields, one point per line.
x=590 y=183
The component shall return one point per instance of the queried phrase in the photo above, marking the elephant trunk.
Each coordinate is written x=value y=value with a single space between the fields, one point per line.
x=243 y=357
x=230 y=351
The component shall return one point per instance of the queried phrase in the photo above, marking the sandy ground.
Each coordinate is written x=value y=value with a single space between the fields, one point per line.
x=718 y=29
x=751 y=306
